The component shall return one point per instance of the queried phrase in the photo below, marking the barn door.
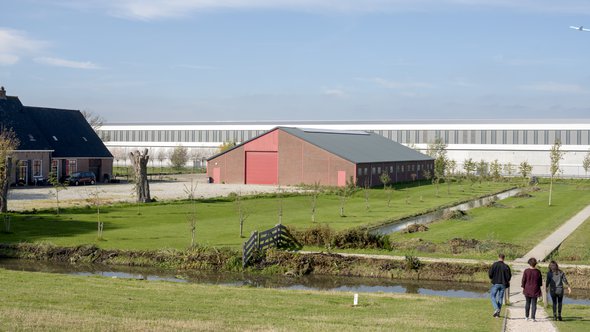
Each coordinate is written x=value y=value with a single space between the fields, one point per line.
x=262 y=167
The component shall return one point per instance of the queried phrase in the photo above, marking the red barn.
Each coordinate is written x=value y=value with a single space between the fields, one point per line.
x=291 y=156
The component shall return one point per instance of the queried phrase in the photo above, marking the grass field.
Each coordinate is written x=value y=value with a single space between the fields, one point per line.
x=576 y=248
x=576 y=318
x=166 y=225
x=520 y=221
x=40 y=301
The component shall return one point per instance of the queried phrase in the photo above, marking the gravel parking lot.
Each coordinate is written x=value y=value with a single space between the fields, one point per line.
x=44 y=197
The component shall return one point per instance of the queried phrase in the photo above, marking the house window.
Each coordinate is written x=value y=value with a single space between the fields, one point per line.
x=366 y=170
x=379 y=170
x=373 y=170
x=397 y=168
x=390 y=169
x=37 y=169
x=402 y=168
x=54 y=167
x=71 y=166
x=418 y=168
x=360 y=171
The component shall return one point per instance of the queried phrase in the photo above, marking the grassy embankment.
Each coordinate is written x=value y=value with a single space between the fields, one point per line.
x=520 y=222
x=164 y=225
x=576 y=317
x=40 y=301
x=576 y=248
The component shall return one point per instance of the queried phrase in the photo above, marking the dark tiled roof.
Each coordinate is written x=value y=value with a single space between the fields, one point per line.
x=13 y=116
x=65 y=132
x=357 y=146
x=68 y=132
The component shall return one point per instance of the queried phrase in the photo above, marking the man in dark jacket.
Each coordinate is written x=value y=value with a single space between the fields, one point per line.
x=500 y=276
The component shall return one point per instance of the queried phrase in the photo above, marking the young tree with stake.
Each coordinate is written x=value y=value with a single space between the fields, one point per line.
x=556 y=155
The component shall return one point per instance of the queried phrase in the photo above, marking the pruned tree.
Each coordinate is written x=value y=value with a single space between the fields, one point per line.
x=179 y=157
x=496 y=170
x=139 y=161
x=438 y=151
x=555 y=155
x=525 y=170
x=385 y=179
x=450 y=173
x=243 y=213
x=586 y=163
x=161 y=155
x=191 y=192
x=315 y=192
x=343 y=193
x=57 y=187
x=366 y=194
x=280 y=205
x=427 y=175
x=8 y=144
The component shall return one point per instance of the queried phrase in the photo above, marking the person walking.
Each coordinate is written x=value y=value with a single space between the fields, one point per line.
x=555 y=281
x=532 y=281
x=500 y=276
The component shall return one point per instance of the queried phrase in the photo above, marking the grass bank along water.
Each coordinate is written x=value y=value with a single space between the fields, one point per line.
x=36 y=301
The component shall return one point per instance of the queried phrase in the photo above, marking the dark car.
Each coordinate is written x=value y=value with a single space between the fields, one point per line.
x=81 y=178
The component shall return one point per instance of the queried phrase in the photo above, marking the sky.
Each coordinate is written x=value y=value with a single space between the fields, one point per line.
x=237 y=60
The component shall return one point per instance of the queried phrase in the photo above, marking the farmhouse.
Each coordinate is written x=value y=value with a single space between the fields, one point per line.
x=52 y=140
x=291 y=156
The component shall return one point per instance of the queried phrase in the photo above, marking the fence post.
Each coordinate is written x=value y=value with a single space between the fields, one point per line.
x=257 y=240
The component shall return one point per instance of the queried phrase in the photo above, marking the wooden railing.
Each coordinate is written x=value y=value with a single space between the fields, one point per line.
x=276 y=237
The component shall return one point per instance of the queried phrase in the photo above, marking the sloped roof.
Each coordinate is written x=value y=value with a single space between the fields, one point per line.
x=65 y=132
x=13 y=116
x=68 y=132
x=357 y=146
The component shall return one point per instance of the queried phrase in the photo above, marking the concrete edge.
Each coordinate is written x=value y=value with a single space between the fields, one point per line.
x=505 y=323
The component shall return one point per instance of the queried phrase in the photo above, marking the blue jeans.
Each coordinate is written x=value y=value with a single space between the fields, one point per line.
x=497 y=295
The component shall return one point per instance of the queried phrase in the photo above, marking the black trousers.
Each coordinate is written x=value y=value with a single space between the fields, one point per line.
x=557 y=301
x=530 y=306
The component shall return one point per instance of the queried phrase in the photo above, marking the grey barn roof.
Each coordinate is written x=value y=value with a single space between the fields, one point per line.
x=357 y=146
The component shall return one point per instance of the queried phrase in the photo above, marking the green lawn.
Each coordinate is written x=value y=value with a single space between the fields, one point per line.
x=165 y=225
x=520 y=221
x=576 y=248
x=40 y=301
x=576 y=317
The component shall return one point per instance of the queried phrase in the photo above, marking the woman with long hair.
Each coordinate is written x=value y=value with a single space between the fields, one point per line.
x=532 y=280
x=555 y=281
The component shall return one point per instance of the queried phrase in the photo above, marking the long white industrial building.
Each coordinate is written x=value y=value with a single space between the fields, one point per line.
x=509 y=141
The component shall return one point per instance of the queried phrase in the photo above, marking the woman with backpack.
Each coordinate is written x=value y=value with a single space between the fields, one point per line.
x=555 y=281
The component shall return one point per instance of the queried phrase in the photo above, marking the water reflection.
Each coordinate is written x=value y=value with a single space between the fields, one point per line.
x=313 y=282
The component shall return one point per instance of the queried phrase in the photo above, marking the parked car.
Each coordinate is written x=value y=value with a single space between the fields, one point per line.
x=81 y=178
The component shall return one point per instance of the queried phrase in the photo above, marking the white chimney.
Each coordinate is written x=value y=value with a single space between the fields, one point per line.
x=2 y=93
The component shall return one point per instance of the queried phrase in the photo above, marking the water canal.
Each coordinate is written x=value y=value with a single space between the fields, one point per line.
x=310 y=282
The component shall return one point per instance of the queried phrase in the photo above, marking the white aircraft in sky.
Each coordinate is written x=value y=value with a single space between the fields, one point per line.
x=580 y=28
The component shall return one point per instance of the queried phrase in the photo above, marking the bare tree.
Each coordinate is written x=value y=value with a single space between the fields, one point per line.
x=315 y=192
x=191 y=191
x=449 y=173
x=280 y=205
x=482 y=170
x=366 y=192
x=556 y=155
x=586 y=163
x=343 y=193
x=161 y=155
x=243 y=213
x=57 y=187
x=96 y=122
x=94 y=199
x=509 y=169
x=470 y=167
x=8 y=144
x=142 y=185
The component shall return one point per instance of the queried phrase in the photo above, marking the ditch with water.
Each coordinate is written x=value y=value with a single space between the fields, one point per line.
x=309 y=282
x=427 y=218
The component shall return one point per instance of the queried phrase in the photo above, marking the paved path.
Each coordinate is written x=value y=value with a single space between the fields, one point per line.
x=516 y=319
x=549 y=244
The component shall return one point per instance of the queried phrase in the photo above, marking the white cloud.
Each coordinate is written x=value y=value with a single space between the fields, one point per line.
x=14 y=44
x=398 y=85
x=554 y=87
x=338 y=93
x=57 y=62
x=159 y=9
